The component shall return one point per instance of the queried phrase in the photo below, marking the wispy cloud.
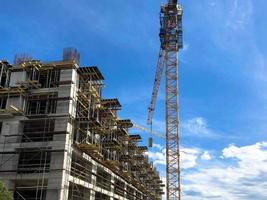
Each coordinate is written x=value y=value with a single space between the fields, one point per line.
x=193 y=127
x=197 y=127
x=240 y=13
x=111 y=23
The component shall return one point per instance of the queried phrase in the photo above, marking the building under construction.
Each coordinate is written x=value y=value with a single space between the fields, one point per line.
x=60 y=139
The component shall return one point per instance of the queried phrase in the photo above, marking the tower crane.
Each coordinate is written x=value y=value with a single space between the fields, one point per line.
x=170 y=43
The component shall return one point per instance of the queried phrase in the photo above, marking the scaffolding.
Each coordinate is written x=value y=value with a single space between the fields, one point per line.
x=37 y=125
x=61 y=114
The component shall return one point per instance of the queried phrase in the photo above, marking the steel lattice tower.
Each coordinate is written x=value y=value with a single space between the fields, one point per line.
x=171 y=19
x=171 y=42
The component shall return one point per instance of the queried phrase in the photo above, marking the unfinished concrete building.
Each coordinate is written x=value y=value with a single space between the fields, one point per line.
x=60 y=139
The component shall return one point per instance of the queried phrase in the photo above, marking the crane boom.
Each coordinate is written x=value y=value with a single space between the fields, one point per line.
x=157 y=80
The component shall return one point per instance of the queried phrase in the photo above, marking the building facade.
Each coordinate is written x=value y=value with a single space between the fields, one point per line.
x=61 y=140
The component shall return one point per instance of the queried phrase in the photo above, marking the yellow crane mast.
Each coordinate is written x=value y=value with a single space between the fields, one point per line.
x=171 y=42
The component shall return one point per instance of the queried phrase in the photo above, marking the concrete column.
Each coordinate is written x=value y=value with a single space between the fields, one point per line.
x=112 y=189
x=94 y=171
x=125 y=189
x=134 y=193
x=92 y=195
x=58 y=188
x=53 y=190
x=93 y=181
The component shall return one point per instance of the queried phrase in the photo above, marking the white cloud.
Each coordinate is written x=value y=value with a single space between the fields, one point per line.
x=189 y=156
x=158 y=146
x=251 y=159
x=158 y=157
x=240 y=175
x=206 y=156
x=246 y=152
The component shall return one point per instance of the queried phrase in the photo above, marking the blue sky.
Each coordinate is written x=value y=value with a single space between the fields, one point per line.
x=223 y=77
